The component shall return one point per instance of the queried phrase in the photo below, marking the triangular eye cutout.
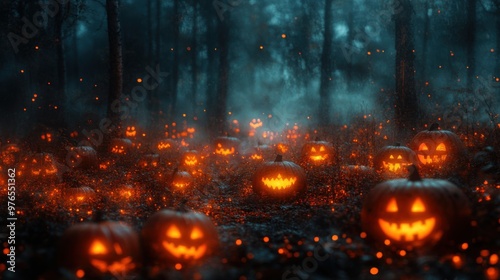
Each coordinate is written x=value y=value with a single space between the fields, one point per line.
x=423 y=147
x=392 y=206
x=196 y=233
x=313 y=149
x=391 y=157
x=418 y=206
x=400 y=157
x=173 y=232
x=97 y=248
x=322 y=149
x=441 y=147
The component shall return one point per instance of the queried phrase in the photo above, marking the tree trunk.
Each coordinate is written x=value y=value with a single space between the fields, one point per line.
x=59 y=101
x=425 y=42
x=350 y=40
x=406 y=103
x=326 y=68
x=471 y=41
x=211 y=66
x=175 y=64
x=222 y=89
x=115 y=61
x=194 y=56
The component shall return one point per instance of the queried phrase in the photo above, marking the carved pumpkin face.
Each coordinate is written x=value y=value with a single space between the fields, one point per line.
x=120 y=146
x=226 y=146
x=437 y=149
x=130 y=131
x=9 y=154
x=414 y=212
x=279 y=178
x=82 y=157
x=317 y=152
x=106 y=248
x=259 y=153
x=255 y=123
x=191 y=158
x=394 y=159
x=179 y=237
x=166 y=145
x=181 y=179
x=42 y=165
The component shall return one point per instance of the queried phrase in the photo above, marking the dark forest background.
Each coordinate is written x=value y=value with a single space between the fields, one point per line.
x=316 y=63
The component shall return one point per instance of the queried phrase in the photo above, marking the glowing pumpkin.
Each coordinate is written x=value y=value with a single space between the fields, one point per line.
x=9 y=154
x=79 y=195
x=180 y=179
x=226 y=146
x=279 y=178
x=120 y=146
x=40 y=165
x=179 y=237
x=81 y=157
x=282 y=148
x=191 y=159
x=166 y=145
x=394 y=160
x=414 y=212
x=100 y=249
x=255 y=123
x=130 y=131
x=438 y=149
x=317 y=152
x=259 y=153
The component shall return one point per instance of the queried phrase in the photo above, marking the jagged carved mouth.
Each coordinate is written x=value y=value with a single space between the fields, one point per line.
x=117 y=267
x=279 y=182
x=225 y=152
x=414 y=231
x=318 y=158
x=185 y=252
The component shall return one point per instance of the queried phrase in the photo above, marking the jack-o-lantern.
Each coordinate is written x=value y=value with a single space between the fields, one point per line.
x=394 y=160
x=180 y=179
x=279 y=178
x=120 y=146
x=282 y=148
x=259 y=153
x=414 y=212
x=149 y=161
x=179 y=237
x=10 y=154
x=255 y=123
x=40 y=165
x=438 y=149
x=226 y=146
x=191 y=159
x=166 y=145
x=317 y=152
x=100 y=249
x=81 y=157
x=130 y=131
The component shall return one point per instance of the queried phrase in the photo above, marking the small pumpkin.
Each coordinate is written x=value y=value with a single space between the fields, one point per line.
x=317 y=152
x=226 y=146
x=130 y=132
x=100 y=249
x=259 y=153
x=438 y=149
x=394 y=159
x=166 y=145
x=180 y=179
x=10 y=153
x=149 y=161
x=40 y=165
x=179 y=237
x=414 y=212
x=79 y=195
x=120 y=146
x=279 y=178
x=191 y=159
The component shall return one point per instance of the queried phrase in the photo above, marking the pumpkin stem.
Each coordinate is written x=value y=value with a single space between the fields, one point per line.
x=414 y=176
x=434 y=127
x=279 y=158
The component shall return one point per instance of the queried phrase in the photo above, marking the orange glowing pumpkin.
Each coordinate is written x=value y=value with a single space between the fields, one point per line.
x=394 y=160
x=166 y=145
x=120 y=146
x=9 y=154
x=191 y=159
x=317 y=152
x=180 y=179
x=226 y=146
x=414 y=212
x=149 y=161
x=130 y=131
x=40 y=166
x=179 y=237
x=259 y=153
x=81 y=157
x=279 y=178
x=79 y=195
x=438 y=149
x=100 y=249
